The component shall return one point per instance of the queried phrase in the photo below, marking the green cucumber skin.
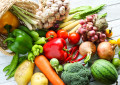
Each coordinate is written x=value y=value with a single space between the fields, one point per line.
x=103 y=71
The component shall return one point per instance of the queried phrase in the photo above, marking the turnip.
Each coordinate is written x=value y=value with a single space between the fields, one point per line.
x=106 y=50
x=87 y=48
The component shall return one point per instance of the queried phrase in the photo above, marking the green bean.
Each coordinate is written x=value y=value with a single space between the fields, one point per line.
x=21 y=59
x=12 y=74
x=82 y=15
x=79 y=9
x=6 y=68
x=13 y=64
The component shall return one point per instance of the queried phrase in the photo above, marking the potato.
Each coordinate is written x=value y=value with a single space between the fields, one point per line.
x=39 y=79
x=24 y=73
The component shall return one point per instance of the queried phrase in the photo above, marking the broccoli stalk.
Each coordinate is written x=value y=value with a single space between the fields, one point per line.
x=28 y=18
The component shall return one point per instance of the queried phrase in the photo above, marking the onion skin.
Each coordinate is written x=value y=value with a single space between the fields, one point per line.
x=87 y=47
x=106 y=51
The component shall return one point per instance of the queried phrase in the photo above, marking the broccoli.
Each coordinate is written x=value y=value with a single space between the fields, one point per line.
x=76 y=74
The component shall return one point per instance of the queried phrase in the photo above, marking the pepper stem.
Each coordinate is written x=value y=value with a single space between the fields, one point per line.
x=88 y=57
x=9 y=39
x=8 y=27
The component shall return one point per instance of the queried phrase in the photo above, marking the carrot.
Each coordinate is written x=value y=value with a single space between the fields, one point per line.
x=44 y=65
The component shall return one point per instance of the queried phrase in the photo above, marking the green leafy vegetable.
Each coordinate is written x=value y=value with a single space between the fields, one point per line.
x=79 y=9
x=82 y=15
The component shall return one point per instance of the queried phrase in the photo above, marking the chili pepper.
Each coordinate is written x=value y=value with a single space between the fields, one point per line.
x=70 y=50
x=21 y=59
x=54 y=49
x=74 y=49
x=79 y=59
x=10 y=19
x=76 y=55
x=41 y=41
x=6 y=68
x=31 y=56
x=19 y=42
x=11 y=75
x=37 y=49
x=13 y=64
x=33 y=34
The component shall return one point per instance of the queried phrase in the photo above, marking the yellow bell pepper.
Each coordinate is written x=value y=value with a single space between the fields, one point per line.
x=10 y=19
x=109 y=33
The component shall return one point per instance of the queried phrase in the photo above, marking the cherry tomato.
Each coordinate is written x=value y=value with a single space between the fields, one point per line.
x=50 y=34
x=73 y=38
x=62 y=34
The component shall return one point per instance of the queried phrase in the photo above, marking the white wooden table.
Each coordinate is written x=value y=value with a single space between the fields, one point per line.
x=113 y=18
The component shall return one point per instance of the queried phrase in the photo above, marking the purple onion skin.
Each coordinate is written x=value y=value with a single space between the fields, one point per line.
x=82 y=22
x=82 y=31
x=91 y=33
x=89 y=18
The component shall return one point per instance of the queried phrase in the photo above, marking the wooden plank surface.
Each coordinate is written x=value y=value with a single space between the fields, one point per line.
x=112 y=8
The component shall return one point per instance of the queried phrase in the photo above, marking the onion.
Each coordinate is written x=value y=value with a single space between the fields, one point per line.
x=89 y=18
x=106 y=50
x=87 y=48
x=82 y=22
x=91 y=33
x=82 y=30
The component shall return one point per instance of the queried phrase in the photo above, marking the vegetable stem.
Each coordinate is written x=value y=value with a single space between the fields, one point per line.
x=28 y=18
x=88 y=57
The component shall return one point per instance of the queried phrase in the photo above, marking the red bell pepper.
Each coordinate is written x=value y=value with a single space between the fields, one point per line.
x=56 y=49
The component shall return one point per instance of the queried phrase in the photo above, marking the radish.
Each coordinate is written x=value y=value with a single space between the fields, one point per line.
x=106 y=50
x=88 y=48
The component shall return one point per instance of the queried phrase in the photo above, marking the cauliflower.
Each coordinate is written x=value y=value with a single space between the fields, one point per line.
x=76 y=74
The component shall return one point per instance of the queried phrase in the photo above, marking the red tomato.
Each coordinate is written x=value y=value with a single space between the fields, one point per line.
x=51 y=33
x=73 y=38
x=62 y=34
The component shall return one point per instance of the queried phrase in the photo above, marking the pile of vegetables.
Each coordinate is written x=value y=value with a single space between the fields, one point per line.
x=84 y=30
x=93 y=28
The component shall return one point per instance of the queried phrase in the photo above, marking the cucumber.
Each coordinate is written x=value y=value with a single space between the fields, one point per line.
x=104 y=71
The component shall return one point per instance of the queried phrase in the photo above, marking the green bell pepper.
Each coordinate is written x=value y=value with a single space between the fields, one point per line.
x=19 y=42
